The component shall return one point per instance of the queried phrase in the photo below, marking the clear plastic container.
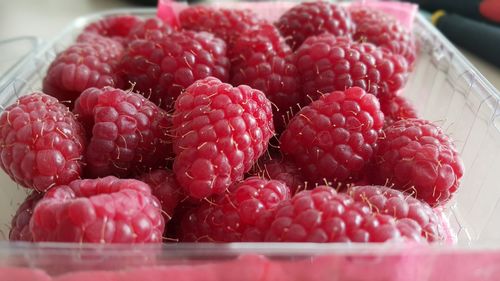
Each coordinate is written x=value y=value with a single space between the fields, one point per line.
x=445 y=88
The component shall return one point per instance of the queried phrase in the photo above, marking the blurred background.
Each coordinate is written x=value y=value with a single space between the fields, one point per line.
x=473 y=25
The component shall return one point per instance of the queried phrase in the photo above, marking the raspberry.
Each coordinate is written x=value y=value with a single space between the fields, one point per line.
x=333 y=138
x=396 y=108
x=219 y=132
x=260 y=60
x=129 y=134
x=92 y=38
x=19 y=226
x=91 y=63
x=395 y=203
x=165 y=188
x=384 y=31
x=263 y=40
x=41 y=143
x=326 y=63
x=227 y=24
x=313 y=18
x=150 y=28
x=184 y=206
x=322 y=215
x=416 y=155
x=163 y=67
x=282 y=170
x=239 y=216
x=115 y=26
x=105 y=210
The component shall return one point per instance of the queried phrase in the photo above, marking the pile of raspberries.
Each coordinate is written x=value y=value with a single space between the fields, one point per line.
x=230 y=128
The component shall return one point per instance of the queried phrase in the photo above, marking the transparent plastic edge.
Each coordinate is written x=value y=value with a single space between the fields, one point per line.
x=492 y=91
x=19 y=66
x=231 y=249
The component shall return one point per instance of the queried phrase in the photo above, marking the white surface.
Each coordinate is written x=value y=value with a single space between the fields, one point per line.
x=46 y=18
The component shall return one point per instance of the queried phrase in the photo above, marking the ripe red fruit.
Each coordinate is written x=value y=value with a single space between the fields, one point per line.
x=314 y=18
x=128 y=134
x=219 y=132
x=240 y=216
x=263 y=40
x=20 y=224
x=149 y=28
x=164 y=186
x=105 y=210
x=162 y=67
x=376 y=27
x=416 y=156
x=41 y=143
x=333 y=138
x=89 y=63
x=114 y=27
x=327 y=63
x=397 y=108
x=223 y=23
x=323 y=215
x=283 y=170
x=387 y=201
x=260 y=58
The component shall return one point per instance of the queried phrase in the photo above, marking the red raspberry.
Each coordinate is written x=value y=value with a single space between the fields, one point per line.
x=185 y=206
x=91 y=38
x=19 y=226
x=220 y=131
x=115 y=26
x=129 y=134
x=264 y=39
x=239 y=216
x=227 y=24
x=313 y=18
x=91 y=63
x=322 y=215
x=376 y=27
x=150 y=28
x=164 y=186
x=395 y=203
x=41 y=143
x=397 y=108
x=417 y=156
x=326 y=63
x=163 y=67
x=282 y=170
x=105 y=210
x=333 y=138
x=260 y=60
